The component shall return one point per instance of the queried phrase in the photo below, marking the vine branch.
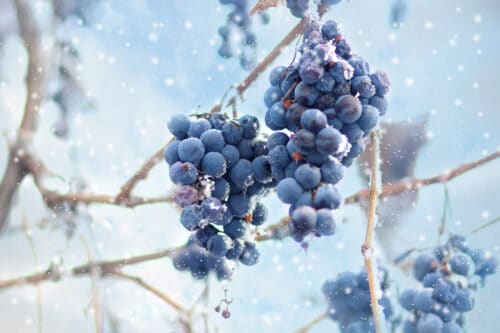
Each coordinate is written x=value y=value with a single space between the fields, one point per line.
x=36 y=81
x=366 y=248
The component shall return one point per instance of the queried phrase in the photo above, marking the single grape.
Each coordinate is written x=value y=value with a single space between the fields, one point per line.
x=186 y=195
x=214 y=164
x=308 y=176
x=170 y=153
x=191 y=150
x=289 y=190
x=380 y=80
x=325 y=224
x=191 y=217
x=250 y=125
x=183 y=173
x=332 y=172
x=178 y=125
x=305 y=141
x=212 y=140
x=232 y=133
x=198 y=127
x=306 y=94
x=250 y=255
x=328 y=196
x=369 y=119
x=231 y=155
x=272 y=95
x=330 y=141
x=219 y=244
x=460 y=264
x=330 y=29
x=348 y=109
x=313 y=120
x=213 y=210
x=235 y=229
x=242 y=174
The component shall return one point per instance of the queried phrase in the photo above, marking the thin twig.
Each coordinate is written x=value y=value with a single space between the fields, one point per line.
x=142 y=173
x=29 y=238
x=446 y=209
x=311 y=324
x=485 y=225
x=94 y=298
x=139 y=281
x=366 y=248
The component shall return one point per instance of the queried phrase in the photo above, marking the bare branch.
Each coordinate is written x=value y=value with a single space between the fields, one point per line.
x=366 y=248
x=417 y=183
x=141 y=174
x=36 y=81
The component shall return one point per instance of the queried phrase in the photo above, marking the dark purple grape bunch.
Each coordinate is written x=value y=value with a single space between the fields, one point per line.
x=200 y=263
x=349 y=303
x=331 y=102
x=216 y=163
x=449 y=276
x=237 y=35
x=300 y=8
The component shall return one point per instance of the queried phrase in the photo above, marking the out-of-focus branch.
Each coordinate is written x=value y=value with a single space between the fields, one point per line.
x=139 y=281
x=104 y=268
x=305 y=328
x=366 y=248
x=36 y=85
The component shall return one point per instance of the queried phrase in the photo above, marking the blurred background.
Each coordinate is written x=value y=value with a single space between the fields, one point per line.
x=123 y=67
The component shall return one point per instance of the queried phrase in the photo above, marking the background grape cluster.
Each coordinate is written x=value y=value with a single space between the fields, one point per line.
x=215 y=161
x=349 y=304
x=449 y=276
x=330 y=102
x=237 y=35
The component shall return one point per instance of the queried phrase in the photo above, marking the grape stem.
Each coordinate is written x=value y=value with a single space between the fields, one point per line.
x=366 y=248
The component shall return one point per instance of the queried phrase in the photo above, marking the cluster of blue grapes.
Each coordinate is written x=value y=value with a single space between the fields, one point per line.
x=216 y=163
x=199 y=262
x=237 y=36
x=330 y=101
x=349 y=302
x=300 y=8
x=448 y=275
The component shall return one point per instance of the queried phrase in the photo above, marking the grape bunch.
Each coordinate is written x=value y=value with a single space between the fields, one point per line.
x=331 y=102
x=216 y=163
x=199 y=262
x=299 y=8
x=349 y=302
x=237 y=36
x=449 y=276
